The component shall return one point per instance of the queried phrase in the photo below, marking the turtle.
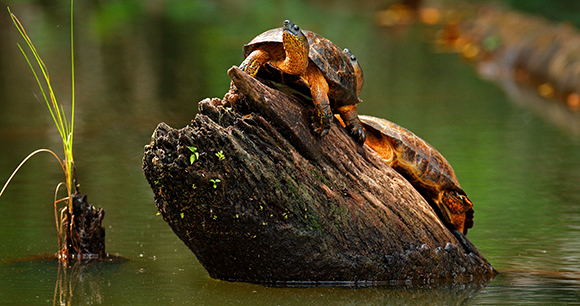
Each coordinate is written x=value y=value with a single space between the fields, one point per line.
x=319 y=63
x=424 y=167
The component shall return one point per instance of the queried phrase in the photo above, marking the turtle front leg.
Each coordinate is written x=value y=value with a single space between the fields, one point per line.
x=319 y=91
x=349 y=116
x=254 y=61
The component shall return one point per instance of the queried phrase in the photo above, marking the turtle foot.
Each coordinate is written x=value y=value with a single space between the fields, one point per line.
x=351 y=121
x=320 y=126
x=320 y=131
x=357 y=132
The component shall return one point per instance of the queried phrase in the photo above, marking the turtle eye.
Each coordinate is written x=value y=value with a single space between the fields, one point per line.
x=352 y=58
x=296 y=28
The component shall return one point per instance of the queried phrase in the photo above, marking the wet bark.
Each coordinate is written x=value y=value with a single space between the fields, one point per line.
x=87 y=227
x=84 y=235
x=267 y=201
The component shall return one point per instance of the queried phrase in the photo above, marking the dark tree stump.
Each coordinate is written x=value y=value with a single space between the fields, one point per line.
x=88 y=233
x=283 y=205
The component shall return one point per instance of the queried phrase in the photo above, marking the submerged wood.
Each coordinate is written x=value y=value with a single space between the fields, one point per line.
x=267 y=201
x=88 y=235
x=84 y=234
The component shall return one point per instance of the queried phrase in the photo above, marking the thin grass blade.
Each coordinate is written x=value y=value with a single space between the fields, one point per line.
x=24 y=160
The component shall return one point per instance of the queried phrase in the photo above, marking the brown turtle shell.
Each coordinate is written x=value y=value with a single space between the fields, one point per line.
x=420 y=163
x=420 y=160
x=328 y=57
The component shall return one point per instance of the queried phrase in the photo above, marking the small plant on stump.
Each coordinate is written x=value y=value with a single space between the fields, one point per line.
x=81 y=236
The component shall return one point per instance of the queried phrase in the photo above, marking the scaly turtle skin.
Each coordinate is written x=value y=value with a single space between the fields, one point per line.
x=320 y=64
x=424 y=167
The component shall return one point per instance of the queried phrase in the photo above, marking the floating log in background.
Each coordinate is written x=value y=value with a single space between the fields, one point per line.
x=544 y=54
x=267 y=201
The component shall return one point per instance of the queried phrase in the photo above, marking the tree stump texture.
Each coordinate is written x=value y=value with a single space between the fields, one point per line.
x=267 y=201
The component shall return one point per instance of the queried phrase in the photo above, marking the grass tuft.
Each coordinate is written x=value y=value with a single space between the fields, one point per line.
x=64 y=127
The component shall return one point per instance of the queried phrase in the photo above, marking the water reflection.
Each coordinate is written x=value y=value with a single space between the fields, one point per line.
x=79 y=284
x=82 y=282
x=517 y=287
x=453 y=294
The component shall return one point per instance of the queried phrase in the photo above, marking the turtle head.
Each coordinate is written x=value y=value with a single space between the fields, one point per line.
x=296 y=48
x=457 y=209
x=357 y=70
x=290 y=27
x=456 y=201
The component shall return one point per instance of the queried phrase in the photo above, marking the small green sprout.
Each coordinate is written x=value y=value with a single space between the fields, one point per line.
x=182 y=215
x=194 y=154
x=229 y=109
x=220 y=155
x=215 y=182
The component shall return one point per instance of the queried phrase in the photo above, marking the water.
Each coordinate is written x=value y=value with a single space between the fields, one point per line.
x=140 y=65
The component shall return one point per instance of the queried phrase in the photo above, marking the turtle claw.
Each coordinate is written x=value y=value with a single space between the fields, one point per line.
x=321 y=132
x=357 y=132
x=320 y=126
x=319 y=129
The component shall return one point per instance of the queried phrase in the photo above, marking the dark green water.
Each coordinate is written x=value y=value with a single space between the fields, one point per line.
x=140 y=64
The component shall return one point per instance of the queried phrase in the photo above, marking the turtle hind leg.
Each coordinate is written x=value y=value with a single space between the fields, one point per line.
x=254 y=61
x=465 y=243
x=349 y=116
